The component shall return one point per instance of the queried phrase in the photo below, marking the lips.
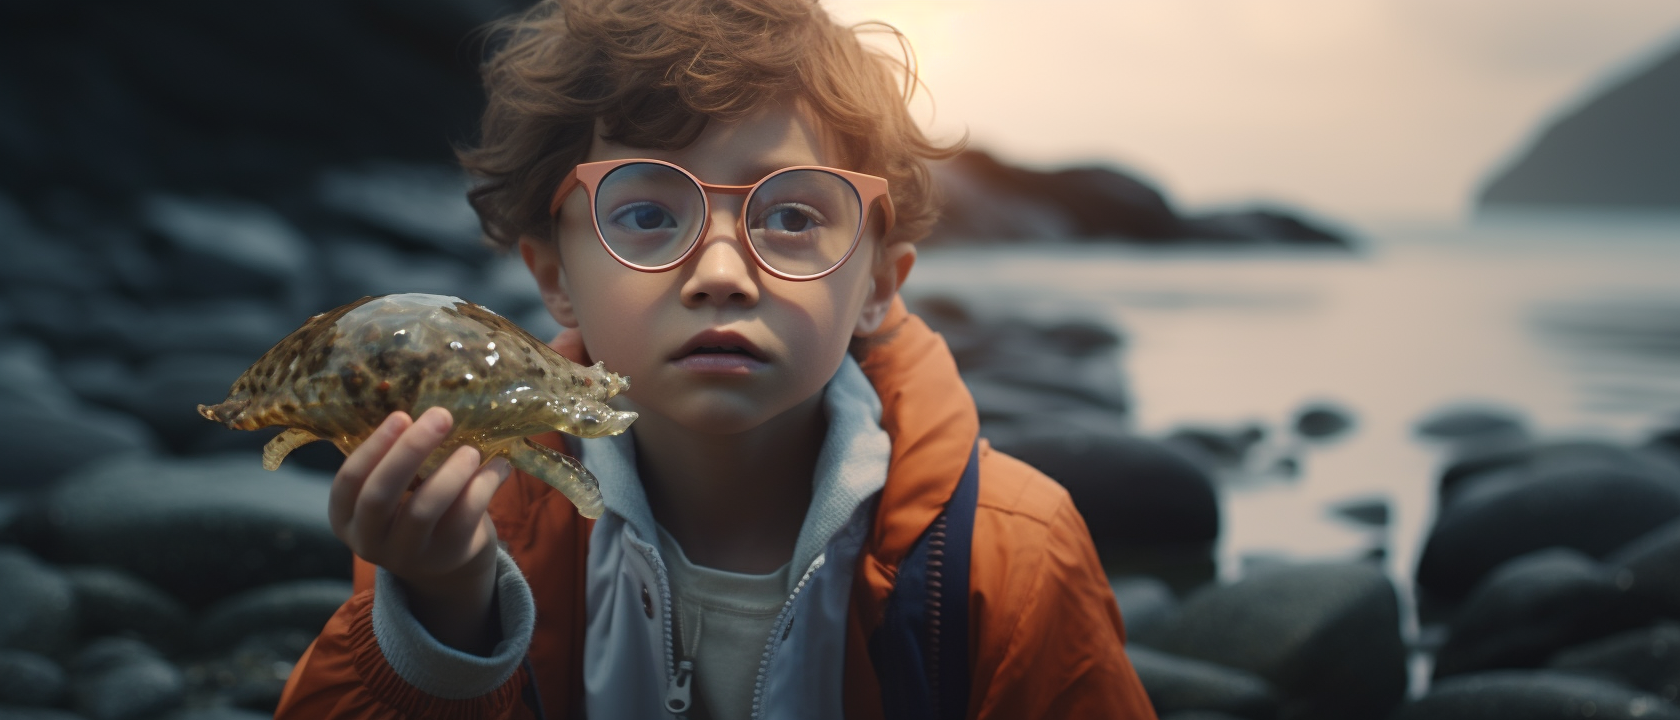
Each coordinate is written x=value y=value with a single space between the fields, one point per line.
x=719 y=342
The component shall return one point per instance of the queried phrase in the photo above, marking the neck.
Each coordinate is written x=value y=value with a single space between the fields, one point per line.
x=733 y=502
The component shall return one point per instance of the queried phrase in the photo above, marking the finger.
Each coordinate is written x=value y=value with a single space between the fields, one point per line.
x=389 y=480
x=347 y=483
x=411 y=526
x=463 y=517
x=569 y=343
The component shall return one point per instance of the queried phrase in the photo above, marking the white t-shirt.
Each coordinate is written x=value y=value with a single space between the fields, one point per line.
x=722 y=622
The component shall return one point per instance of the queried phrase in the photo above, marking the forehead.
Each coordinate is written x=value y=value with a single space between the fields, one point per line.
x=777 y=135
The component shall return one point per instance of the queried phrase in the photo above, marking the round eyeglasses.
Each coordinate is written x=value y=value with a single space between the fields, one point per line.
x=800 y=223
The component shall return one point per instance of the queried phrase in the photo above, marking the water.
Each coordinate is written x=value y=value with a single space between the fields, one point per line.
x=1572 y=322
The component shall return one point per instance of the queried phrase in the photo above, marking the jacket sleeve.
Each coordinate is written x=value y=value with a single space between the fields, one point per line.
x=1051 y=643
x=346 y=673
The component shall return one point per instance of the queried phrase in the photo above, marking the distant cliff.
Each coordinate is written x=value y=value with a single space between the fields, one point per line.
x=1621 y=149
x=989 y=201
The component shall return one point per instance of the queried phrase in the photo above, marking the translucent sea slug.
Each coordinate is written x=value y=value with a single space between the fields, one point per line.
x=338 y=377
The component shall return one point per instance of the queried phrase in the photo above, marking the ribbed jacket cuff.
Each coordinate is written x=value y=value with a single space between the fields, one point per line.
x=442 y=671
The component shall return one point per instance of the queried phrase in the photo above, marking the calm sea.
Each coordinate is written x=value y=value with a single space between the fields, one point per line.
x=1571 y=322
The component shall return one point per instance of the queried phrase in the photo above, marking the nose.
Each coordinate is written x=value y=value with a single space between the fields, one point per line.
x=723 y=271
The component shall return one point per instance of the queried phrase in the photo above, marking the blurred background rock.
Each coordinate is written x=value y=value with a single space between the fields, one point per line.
x=183 y=182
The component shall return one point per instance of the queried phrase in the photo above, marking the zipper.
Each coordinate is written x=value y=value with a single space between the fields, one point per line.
x=935 y=598
x=783 y=622
x=679 y=674
x=678 y=696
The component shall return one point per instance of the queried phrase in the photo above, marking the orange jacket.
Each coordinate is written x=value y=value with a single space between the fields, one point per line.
x=1046 y=639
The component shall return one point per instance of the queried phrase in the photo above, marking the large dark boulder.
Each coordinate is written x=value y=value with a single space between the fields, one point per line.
x=122 y=679
x=1534 y=695
x=300 y=604
x=29 y=679
x=1590 y=498
x=200 y=529
x=252 y=673
x=1179 y=684
x=1132 y=491
x=1533 y=606
x=36 y=610
x=1031 y=375
x=1653 y=566
x=113 y=602
x=1647 y=658
x=1472 y=422
x=987 y=200
x=1617 y=149
x=45 y=430
x=1327 y=636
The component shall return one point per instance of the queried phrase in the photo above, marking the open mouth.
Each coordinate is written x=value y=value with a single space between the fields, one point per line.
x=719 y=343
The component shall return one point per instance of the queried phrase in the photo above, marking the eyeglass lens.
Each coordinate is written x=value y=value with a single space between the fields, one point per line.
x=801 y=222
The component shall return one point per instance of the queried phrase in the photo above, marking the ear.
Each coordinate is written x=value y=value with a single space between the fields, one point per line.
x=888 y=275
x=542 y=257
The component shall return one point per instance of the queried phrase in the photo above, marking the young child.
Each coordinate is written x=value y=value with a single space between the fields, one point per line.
x=718 y=199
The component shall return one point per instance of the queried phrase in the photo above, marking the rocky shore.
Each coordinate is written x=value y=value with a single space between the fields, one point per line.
x=182 y=185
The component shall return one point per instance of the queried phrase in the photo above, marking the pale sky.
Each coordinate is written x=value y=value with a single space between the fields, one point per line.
x=1358 y=109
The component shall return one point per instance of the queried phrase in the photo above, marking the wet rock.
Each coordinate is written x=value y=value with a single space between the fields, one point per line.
x=238 y=327
x=302 y=604
x=1588 y=498
x=220 y=713
x=1181 y=684
x=200 y=529
x=1534 y=606
x=36 y=713
x=36 y=614
x=1198 y=715
x=1220 y=447
x=1461 y=423
x=167 y=390
x=1132 y=491
x=29 y=679
x=1322 y=421
x=986 y=200
x=1145 y=603
x=361 y=268
x=252 y=674
x=46 y=431
x=120 y=679
x=1372 y=511
x=424 y=205
x=1534 y=695
x=1075 y=386
x=1647 y=659
x=221 y=248
x=113 y=602
x=1653 y=564
x=1528 y=461
x=1327 y=636
x=34 y=258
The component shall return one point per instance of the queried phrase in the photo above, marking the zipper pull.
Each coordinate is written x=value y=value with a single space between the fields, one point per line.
x=677 y=696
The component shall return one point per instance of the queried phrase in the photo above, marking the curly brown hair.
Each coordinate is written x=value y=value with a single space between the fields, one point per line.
x=654 y=72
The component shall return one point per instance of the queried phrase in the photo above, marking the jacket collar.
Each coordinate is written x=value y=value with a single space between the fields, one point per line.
x=931 y=418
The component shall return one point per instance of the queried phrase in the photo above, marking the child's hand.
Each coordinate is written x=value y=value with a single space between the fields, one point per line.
x=439 y=539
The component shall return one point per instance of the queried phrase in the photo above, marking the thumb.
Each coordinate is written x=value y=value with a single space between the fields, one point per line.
x=569 y=343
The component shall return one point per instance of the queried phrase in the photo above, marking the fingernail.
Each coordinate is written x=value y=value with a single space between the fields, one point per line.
x=502 y=468
x=438 y=419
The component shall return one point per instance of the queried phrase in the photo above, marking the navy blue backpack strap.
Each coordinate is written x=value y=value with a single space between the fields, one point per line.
x=920 y=652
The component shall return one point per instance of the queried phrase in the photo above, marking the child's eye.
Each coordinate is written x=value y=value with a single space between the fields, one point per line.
x=791 y=218
x=644 y=216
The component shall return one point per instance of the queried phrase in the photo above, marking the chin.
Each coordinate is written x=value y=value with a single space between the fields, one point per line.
x=713 y=413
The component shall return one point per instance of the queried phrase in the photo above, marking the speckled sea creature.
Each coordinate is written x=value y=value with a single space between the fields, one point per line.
x=338 y=377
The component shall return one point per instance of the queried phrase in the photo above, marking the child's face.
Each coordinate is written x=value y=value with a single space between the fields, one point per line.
x=646 y=325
